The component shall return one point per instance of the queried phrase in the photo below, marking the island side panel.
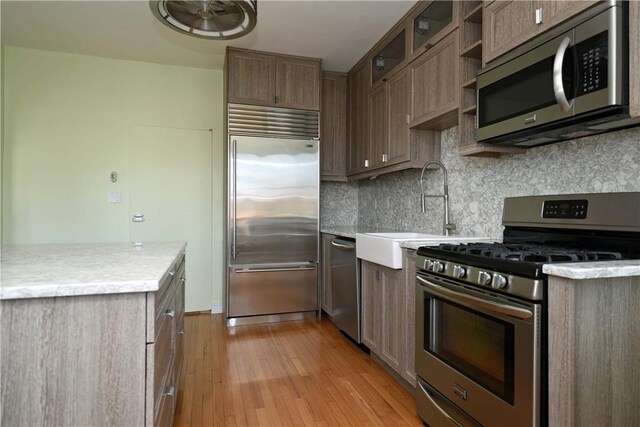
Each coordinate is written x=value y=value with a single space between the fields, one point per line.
x=594 y=347
x=73 y=360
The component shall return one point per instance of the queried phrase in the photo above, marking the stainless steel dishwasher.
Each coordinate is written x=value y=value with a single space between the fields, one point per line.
x=345 y=287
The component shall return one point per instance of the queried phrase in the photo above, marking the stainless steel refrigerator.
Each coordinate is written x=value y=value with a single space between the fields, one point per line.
x=272 y=213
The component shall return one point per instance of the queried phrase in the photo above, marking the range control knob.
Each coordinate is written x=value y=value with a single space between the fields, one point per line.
x=459 y=271
x=484 y=278
x=438 y=267
x=499 y=281
x=428 y=265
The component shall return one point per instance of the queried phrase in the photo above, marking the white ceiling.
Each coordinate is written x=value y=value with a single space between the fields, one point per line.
x=339 y=32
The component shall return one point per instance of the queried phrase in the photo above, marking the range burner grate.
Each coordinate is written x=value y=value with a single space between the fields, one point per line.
x=530 y=253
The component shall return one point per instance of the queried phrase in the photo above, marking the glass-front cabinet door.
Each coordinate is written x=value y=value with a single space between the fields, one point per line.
x=392 y=54
x=435 y=21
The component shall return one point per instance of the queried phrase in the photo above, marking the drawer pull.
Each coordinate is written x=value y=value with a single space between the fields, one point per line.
x=171 y=312
x=170 y=391
x=181 y=332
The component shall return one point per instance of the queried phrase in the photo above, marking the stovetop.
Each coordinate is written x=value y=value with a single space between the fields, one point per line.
x=516 y=258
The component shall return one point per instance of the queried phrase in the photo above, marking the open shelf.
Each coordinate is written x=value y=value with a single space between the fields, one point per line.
x=474 y=15
x=470 y=110
x=473 y=51
x=469 y=84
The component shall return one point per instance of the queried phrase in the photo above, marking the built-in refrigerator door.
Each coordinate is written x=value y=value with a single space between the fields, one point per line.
x=273 y=197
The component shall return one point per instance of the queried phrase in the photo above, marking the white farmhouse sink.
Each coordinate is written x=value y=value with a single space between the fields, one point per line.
x=384 y=248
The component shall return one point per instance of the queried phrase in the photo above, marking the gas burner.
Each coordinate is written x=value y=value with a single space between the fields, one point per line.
x=529 y=253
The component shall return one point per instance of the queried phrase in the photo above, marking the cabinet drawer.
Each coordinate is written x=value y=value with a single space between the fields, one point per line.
x=158 y=302
x=159 y=355
x=166 y=405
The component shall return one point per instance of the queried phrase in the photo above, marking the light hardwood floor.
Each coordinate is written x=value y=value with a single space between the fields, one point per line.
x=289 y=373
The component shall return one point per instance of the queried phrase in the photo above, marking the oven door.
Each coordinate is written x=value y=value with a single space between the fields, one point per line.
x=480 y=351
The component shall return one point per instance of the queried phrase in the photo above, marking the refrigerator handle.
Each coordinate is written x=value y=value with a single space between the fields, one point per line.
x=233 y=193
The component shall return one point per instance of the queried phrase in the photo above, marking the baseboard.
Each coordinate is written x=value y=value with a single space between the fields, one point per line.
x=216 y=308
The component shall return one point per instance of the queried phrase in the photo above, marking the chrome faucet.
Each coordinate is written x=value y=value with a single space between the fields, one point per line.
x=447 y=226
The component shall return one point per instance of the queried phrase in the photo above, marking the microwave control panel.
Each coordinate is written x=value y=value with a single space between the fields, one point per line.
x=565 y=209
x=592 y=57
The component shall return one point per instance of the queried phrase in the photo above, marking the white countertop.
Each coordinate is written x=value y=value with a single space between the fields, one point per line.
x=594 y=270
x=54 y=270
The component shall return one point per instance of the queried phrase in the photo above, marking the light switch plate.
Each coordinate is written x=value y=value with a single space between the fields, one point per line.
x=114 y=197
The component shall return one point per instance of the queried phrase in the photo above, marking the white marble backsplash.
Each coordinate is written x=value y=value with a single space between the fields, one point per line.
x=478 y=186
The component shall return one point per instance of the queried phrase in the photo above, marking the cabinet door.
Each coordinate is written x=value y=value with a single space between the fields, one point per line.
x=333 y=127
x=393 y=323
x=358 y=116
x=326 y=274
x=371 y=306
x=297 y=83
x=398 y=147
x=507 y=24
x=378 y=125
x=252 y=78
x=556 y=12
x=409 y=271
x=431 y=24
x=434 y=81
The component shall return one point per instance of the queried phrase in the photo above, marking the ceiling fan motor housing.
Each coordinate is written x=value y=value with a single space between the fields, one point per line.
x=214 y=19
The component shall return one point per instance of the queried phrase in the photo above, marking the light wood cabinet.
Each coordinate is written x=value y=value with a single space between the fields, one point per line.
x=384 y=317
x=325 y=278
x=409 y=312
x=333 y=127
x=393 y=322
x=111 y=359
x=251 y=78
x=297 y=83
x=358 y=119
x=259 y=78
x=398 y=148
x=508 y=24
x=371 y=288
x=434 y=83
x=378 y=125
x=429 y=22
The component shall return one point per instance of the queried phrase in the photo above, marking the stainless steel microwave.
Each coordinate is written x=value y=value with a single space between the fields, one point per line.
x=570 y=82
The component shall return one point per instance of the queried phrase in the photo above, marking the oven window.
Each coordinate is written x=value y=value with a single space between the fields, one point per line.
x=479 y=346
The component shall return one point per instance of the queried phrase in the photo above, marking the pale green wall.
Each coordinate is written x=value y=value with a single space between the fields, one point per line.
x=67 y=119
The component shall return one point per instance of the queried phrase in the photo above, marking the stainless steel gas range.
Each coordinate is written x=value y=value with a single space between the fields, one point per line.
x=481 y=318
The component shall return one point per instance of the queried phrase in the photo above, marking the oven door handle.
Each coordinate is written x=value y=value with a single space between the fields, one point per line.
x=441 y=291
x=438 y=408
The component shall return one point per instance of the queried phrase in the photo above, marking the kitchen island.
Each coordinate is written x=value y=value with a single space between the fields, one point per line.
x=92 y=334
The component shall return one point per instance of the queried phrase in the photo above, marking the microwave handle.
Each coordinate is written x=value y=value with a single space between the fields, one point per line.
x=558 y=87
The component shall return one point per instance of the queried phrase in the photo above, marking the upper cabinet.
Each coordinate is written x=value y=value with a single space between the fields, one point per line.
x=432 y=21
x=434 y=83
x=358 y=151
x=390 y=56
x=297 y=83
x=274 y=80
x=508 y=24
x=251 y=78
x=333 y=127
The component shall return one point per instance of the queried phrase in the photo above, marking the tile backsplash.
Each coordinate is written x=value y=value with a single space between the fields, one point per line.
x=478 y=186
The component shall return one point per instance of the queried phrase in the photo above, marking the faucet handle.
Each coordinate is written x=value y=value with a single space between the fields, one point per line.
x=422 y=204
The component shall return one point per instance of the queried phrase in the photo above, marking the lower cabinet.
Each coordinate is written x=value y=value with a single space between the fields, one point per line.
x=388 y=315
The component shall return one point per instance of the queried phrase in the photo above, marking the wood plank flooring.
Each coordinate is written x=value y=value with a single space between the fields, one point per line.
x=283 y=374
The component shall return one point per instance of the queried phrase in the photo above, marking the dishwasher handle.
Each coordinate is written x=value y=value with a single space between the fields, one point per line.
x=347 y=247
